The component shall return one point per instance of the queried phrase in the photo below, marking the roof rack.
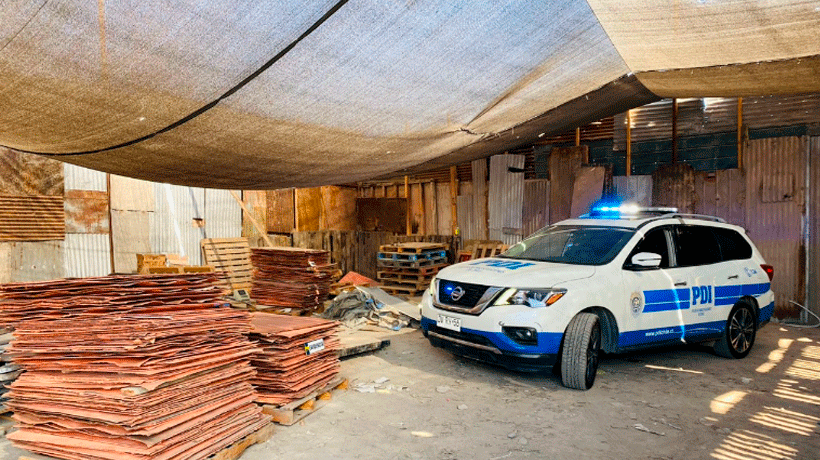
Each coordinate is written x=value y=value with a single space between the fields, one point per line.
x=697 y=216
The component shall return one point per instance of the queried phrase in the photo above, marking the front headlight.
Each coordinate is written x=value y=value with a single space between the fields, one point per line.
x=534 y=298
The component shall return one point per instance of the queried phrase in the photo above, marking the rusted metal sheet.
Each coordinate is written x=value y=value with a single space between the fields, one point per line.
x=79 y=178
x=722 y=193
x=564 y=162
x=31 y=218
x=674 y=185
x=27 y=174
x=812 y=230
x=280 y=215
x=776 y=226
x=536 y=212
x=86 y=254
x=86 y=211
x=506 y=198
x=634 y=189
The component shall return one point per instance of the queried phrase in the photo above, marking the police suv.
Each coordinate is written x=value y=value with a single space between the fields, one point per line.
x=617 y=279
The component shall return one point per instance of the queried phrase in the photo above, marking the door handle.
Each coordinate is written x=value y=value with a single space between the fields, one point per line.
x=680 y=283
x=733 y=277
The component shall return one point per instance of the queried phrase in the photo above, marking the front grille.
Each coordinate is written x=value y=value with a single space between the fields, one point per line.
x=472 y=293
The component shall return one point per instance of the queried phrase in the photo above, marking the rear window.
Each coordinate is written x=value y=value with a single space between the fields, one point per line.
x=696 y=245
x=578 y=245
x=732 y=244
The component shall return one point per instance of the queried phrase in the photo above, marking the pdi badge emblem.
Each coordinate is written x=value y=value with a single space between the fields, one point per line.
x=636 y=303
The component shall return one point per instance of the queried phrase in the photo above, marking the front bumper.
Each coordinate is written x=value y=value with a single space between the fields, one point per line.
x=495 y=348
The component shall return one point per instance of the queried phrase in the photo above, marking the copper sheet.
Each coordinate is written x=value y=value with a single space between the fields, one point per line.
x=291 y=277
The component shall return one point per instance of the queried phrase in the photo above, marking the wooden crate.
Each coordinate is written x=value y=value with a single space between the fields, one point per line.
x=299 y=409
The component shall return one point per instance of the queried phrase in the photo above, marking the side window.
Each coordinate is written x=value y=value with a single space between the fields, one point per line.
x=654 y=241
x=696 y=245
x=732 y=244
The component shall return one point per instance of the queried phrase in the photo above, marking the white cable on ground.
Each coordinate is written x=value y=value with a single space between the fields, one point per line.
x=804 y=326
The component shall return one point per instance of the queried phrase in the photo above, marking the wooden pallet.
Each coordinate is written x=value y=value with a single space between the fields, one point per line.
x=406 y=290
x=297 y=410
x=417 y=284
x=231 y=256
x=403 y=264
x=415 y=248
x=232 y=452
x=402 y=278
x=401 y=256
x=427 y=270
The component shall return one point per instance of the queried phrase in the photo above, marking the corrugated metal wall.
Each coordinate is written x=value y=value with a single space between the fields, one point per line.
x=775 y=181
x=177 y=223
x=506 y=197
x=480 y=196
x=86 y=254
x=536 y=213
x=812 y=230
x=223 y=215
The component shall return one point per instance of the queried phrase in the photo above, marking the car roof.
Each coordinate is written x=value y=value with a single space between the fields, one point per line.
x=635 y=222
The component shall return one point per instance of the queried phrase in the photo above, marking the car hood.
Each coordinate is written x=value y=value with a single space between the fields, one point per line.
x=516 y=273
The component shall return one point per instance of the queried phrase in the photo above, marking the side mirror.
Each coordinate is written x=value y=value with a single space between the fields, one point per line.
x=646 y=260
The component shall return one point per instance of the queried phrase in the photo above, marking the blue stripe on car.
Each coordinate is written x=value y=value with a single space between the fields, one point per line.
x=548 y=342
x=665 y=300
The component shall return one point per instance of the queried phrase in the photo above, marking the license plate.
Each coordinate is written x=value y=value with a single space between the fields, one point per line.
x=448 y=322
x=314 y=347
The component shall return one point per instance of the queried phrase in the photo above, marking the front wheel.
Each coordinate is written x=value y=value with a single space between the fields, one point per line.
x=739 y=335
x=582 y=345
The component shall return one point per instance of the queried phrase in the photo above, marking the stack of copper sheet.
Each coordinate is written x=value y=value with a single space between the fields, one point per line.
x=129 y=368
x=298 y=355
x=293 y=278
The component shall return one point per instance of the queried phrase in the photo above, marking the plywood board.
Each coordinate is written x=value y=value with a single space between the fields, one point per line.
x=338 y=208
x=382 y=214
x=86 y=211
x=587 y=188
x=280 y=210
x=564 y=162
x=308 y=209
x=36 y=261
x=131 y=194
x=131 y=236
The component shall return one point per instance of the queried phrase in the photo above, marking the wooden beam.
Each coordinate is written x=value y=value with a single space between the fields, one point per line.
x=454 y=199
x=628 y=143
x=674 y=130
x=740 y=133
x=577 y=136
x=423 y=229
x=407 y=198
x=256 y=225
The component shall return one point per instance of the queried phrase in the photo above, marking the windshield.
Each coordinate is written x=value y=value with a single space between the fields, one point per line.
x=579 y=245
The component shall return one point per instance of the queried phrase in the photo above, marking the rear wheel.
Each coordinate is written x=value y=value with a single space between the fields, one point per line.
x=582 y=346
x=739 y=336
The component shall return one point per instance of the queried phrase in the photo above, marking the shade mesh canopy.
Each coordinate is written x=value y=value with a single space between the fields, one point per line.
x=269 y=94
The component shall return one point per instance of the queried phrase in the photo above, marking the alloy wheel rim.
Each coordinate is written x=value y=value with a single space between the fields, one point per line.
x=592 y=355
x=741 y=330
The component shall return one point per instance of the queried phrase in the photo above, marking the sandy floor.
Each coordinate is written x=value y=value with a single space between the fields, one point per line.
x=677 y=403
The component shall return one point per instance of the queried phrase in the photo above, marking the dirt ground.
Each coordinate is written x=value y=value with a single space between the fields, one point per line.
x=675 y=403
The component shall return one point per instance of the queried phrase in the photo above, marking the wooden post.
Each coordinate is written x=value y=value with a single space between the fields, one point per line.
x=628 y=143
x=487 y=200
x=577 y=136
x=674 y=130
x=110 y=222
x=423 y=211
x=407 y=198
x=454 y=199
x=256 y=225
x=740 y=133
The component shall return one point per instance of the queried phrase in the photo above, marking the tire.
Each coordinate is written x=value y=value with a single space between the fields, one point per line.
x=739 y=334
x=582 y=347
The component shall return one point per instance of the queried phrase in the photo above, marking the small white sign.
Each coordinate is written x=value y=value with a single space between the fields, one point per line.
x=448 y=322
x=311 y=348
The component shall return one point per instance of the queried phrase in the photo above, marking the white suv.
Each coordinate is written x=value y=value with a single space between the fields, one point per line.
x=617 y=279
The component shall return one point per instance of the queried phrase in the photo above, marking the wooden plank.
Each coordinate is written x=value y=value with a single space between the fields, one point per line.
x=563 y=164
